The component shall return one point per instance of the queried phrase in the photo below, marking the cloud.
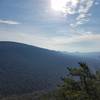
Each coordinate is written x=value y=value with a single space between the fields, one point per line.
x=9 y=22
x=76 y=38
x=87 y=42
x=84 y=8
x=82 y=42
x=79 y=8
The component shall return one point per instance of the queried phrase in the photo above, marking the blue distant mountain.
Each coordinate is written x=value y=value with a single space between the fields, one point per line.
x=94 y=55
x=25 y=68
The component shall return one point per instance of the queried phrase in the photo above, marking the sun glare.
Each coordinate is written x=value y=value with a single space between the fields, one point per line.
x=64 y=5
x=58 y=5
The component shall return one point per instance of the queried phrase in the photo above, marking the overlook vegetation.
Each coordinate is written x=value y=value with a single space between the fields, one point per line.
x=80 y=83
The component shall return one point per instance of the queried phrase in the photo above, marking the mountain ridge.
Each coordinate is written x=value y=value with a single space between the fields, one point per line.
x=25 y=68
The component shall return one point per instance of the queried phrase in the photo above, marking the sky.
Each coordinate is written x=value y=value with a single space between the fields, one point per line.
x=62 y=25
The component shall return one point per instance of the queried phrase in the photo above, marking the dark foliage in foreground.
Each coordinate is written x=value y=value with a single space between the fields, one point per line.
x=80 y=84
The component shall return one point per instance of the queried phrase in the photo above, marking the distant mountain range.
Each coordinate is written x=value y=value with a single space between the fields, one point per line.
x=25 y=68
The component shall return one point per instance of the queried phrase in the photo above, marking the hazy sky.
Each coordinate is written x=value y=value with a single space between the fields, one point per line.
x=65 y=25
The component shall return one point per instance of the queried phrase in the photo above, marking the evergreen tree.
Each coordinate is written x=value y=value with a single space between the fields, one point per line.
x=80 y=84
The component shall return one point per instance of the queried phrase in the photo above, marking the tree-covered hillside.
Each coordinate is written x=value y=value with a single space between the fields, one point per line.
x=80 y=83
x=25 y=68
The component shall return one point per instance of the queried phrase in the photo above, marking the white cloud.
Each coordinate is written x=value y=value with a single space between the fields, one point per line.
x=56 y=42
x=84 y=8
x=79 y=7
x=87 y=42
x=76 y=38
x=10 y=22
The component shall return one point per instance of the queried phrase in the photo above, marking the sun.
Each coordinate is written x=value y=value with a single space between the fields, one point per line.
x=58 y=5
x=65 y=6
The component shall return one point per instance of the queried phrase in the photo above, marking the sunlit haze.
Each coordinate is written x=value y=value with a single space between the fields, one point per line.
x=64 y=6
x=64 y=25
x=59 y=5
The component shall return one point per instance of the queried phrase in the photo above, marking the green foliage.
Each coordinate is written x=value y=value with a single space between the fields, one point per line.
x=80 y=84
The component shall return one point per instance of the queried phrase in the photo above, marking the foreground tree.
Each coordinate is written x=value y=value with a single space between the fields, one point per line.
x=80 y=84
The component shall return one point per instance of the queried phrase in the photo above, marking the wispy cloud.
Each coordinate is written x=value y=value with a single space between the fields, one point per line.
x=86 y=42
x=84 y=8
x=82 y=42
x=9 y=22
x=76 y=38
x=81 y=8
